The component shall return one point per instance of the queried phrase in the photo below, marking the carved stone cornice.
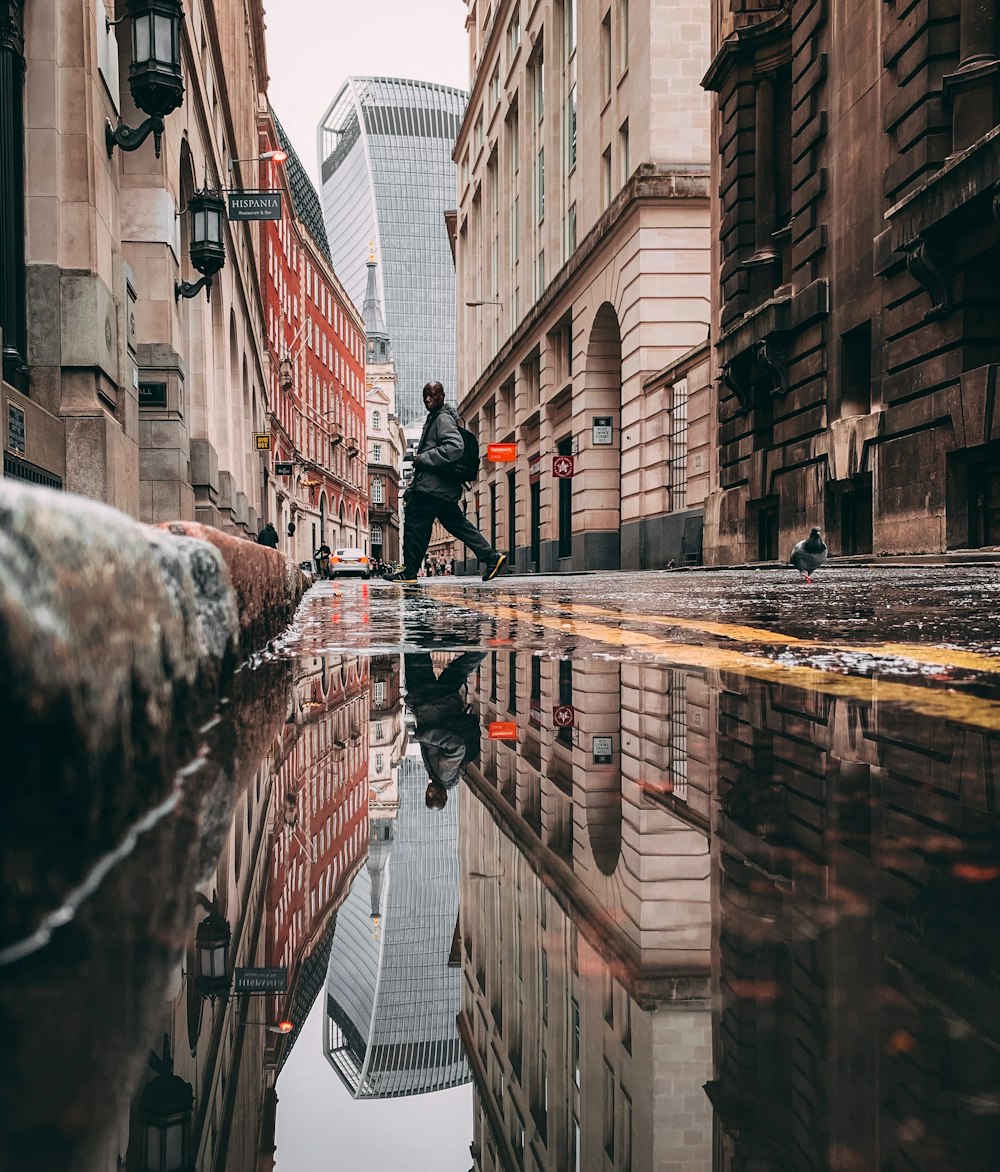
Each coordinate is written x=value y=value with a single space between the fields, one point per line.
x=772 y=33
x=12 y=26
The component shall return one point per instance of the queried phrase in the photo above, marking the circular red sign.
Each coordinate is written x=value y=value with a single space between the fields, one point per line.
x=563 y=716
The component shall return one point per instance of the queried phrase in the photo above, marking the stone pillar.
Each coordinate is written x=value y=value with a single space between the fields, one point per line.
x=13 y=320
x=972 y=88
x=764 y=192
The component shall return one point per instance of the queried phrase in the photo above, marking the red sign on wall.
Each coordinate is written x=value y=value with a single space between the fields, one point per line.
x=562 y=467
x=564 y=716
x=501 y=453
x=503 y=730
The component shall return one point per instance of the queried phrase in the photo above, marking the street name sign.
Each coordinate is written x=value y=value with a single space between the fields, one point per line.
x=260 y=980
x=255 y=205
x=603 y=750
x=604 y=432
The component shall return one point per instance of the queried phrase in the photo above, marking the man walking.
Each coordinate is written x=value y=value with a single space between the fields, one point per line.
x=435 y=492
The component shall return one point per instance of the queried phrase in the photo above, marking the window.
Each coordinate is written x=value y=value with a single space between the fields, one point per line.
x=609 y=1110
x=569 y=27
x=606 y=176
x=515 y=231
x=378 y=490
x=540 y=274
x=571 y=129
x=514 y=34
x=571 y=230
x=376 y=420
x=574 y=1026
x=606 y=55
x=376 y=535
x=623 y=36
x=677 y=450
x=495 y=87
x=626 y=1161
x=540 y=185
x=677 y=729
x=538 y=74
x=377 y=453
x=623 y=153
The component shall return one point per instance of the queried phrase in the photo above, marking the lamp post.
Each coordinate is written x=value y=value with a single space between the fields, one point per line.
x=165 y=1112
x=154 y=77
x=208 y=246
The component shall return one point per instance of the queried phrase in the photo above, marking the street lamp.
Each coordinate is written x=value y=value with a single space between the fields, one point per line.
x=154 y=77
x=267 y=156
x=165 y=1112
x=476 y=304
x=211 y=944
x=208 y=246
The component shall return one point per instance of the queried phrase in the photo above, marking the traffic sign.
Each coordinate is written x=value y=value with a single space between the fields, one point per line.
x=262 y=441
x=273 y=980
x=501 y=453
x=562 y=467
x=503 y=730
x=564 y=716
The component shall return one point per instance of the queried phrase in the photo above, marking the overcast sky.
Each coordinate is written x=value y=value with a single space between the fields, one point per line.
x=314 y=45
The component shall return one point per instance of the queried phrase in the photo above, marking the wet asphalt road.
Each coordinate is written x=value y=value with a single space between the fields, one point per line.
x=936 y=627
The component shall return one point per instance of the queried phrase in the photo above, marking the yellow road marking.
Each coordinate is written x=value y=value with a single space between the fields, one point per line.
x=927 y=701
x=916 y=652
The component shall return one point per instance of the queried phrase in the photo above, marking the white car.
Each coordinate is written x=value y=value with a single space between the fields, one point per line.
x=350 y=563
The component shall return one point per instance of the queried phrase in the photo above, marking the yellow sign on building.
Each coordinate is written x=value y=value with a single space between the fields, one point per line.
x=262 y=441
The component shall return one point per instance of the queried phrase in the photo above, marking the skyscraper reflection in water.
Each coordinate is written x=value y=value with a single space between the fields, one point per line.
x=392 y=996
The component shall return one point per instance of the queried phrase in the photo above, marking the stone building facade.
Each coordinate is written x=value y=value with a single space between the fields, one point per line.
x=582 y=255
x=114 y=386
x=315 y=364
x=855 y=253
x=586 y=918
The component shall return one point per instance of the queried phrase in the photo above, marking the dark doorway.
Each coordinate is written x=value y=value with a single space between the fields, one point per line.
x=511 y=515
x=973 y=501
x=849 y=513
x=536 y=525
x=565 y=448
x=767 y=530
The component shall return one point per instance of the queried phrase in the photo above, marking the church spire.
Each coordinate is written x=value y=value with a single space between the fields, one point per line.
x=378 y=336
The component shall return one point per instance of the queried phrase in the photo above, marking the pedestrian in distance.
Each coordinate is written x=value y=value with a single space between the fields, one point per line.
x=268 y=536
x=435 y=491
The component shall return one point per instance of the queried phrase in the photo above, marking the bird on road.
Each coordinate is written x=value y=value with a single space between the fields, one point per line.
x=809 y=555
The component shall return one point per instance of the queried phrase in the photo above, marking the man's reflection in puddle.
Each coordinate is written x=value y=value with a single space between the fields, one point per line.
x=446 y=729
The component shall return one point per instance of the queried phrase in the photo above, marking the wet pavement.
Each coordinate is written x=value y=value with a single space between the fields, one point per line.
x=695 y=872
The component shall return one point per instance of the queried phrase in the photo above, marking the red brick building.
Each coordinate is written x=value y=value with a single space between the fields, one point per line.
x=316 y=349
x=856 y=256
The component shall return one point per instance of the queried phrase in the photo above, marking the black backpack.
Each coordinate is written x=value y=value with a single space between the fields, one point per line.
x=466 y=467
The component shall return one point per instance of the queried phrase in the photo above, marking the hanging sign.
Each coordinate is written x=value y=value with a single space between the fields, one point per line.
x=262 y=441
x=501 y=453
x=283 y=468
x=604 y=432
x=535 y=469
x=562 y=467
x=255 y=205
x=564 y=716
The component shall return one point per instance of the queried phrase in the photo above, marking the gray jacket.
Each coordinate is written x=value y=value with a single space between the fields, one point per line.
x=441 y=444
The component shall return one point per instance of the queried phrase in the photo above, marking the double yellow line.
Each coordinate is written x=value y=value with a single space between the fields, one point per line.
x=930 y=701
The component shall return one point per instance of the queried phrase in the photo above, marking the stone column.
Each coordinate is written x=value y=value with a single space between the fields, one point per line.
x=13 y=319
x=764 y=193
x=972 y=88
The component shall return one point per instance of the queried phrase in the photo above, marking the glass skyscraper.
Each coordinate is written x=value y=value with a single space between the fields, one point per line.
x=386 y=171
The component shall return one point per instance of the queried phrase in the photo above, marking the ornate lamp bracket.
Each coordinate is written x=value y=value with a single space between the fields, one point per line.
x=770 y=353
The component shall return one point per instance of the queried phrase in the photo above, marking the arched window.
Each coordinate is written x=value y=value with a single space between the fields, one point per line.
x=376 y=535
x=376 y=420
x=378 y=490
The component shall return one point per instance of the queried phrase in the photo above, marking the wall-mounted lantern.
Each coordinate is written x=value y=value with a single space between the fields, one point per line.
x=211 y=943
x=155 y=76
x=286 y=373
x=165 y=1111
x=207 y=210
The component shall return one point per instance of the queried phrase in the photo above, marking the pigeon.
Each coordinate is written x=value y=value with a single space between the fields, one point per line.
x=809 y=555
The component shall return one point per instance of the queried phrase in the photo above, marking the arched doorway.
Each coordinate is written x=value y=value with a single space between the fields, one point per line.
x=597 y=498
x=342 y=533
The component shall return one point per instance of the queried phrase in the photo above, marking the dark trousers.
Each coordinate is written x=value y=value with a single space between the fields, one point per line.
x=422 y=510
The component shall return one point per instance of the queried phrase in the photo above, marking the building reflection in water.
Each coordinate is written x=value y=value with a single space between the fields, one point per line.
x=586 y=921
x=392 y=993
x=761 y=937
